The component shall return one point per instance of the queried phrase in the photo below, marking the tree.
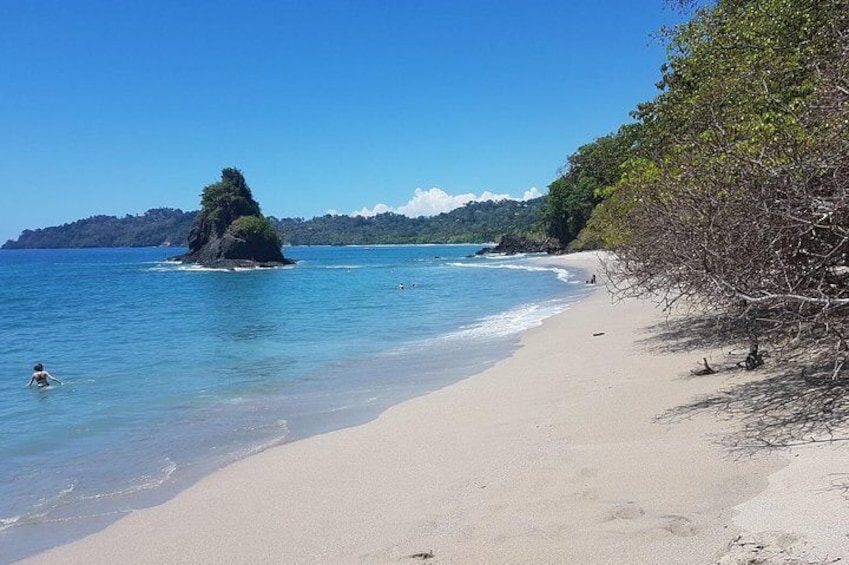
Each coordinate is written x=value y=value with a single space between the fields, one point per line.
x=569 y=205
x=737 y=196
x=585 y=181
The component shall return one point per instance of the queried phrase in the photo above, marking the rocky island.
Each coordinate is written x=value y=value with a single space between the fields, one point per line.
x=230 y=231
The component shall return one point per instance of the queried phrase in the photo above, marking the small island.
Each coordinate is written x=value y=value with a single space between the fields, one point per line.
x=230 y=231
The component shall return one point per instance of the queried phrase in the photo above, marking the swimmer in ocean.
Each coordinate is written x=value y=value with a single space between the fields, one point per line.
x=41 y=377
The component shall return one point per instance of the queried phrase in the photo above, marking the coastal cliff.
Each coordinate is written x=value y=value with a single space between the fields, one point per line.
x=230 y=230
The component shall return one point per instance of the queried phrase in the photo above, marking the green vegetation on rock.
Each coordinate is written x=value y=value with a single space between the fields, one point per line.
x=230 y=226
x=256 y=227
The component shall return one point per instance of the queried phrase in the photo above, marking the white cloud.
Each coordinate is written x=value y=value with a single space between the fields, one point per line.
x=531 y=193
x=437 y=201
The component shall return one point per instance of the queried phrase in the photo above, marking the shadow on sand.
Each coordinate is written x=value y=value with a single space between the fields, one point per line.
x=791 y=400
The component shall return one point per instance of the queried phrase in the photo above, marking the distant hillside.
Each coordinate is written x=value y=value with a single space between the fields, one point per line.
x=477 y=222
x=161 y=226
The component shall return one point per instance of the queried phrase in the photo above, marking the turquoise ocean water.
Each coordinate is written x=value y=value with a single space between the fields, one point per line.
x=172 y=371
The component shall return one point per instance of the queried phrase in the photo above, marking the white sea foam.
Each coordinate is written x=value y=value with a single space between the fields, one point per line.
x=6 y=523
x=562 y=274
x=140 y=484
x=22 y=520
x=50 y=501
x=503 y=256
x=344 y=267
x=273 y=442
x=41 y=518
x=194 y=268
x=511 y=322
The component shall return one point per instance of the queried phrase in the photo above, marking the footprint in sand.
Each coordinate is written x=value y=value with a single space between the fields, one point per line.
x=588 y=473
x=680 y=526
x=625 y=511
x=589 y=494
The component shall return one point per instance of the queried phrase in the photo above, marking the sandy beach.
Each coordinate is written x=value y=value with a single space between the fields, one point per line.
x=575 y=450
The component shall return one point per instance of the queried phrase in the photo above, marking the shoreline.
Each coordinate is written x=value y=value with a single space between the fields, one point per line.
x=347 y=393
x=554 y=455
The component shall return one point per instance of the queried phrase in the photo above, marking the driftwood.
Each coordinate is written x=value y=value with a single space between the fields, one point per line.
x=706 y=371
x=752 y=361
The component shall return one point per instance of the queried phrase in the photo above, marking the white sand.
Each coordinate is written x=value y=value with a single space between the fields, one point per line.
x=552 y=456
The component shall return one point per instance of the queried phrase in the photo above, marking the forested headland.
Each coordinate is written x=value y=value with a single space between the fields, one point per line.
x=476 y=222
x=159 y=226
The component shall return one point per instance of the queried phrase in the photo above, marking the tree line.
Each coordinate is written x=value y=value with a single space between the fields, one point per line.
x=159 y=226
x=730 y=189
x=476 y=222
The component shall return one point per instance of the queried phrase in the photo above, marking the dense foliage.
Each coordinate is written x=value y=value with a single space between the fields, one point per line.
x=736 y=192
x=477 y=222
x=160 y=226
x=589 y=176
x=255 y=227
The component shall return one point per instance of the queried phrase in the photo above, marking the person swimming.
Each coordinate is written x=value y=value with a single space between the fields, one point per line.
x=41 y=377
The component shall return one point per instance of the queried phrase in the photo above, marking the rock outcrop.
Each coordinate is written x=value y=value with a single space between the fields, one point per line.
x=513 y=244
x=230 y=231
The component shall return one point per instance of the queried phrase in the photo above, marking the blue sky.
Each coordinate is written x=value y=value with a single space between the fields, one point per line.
x=115 y=107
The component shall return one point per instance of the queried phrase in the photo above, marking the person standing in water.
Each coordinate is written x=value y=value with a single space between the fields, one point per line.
x=41 y=377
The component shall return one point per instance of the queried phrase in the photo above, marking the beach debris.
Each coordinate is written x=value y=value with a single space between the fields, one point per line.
x=707 y=370
x=778 y=548
x=425 y=555
x=598 y=334
x=753 y=359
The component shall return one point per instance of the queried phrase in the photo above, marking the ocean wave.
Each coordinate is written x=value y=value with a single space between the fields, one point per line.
x=497 y=326
x=562 y=274
x=503 y=256
x=268 y=444
x=10 y=522
x=139 y=484
x=42 y=518
x=41 y=512
x=193 y=268
x=52 y=500
x=511 y=322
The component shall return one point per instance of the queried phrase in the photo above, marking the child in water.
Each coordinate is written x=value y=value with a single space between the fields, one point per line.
x=41 y=377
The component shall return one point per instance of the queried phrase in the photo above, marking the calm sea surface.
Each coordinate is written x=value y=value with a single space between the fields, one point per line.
x=171 y=372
